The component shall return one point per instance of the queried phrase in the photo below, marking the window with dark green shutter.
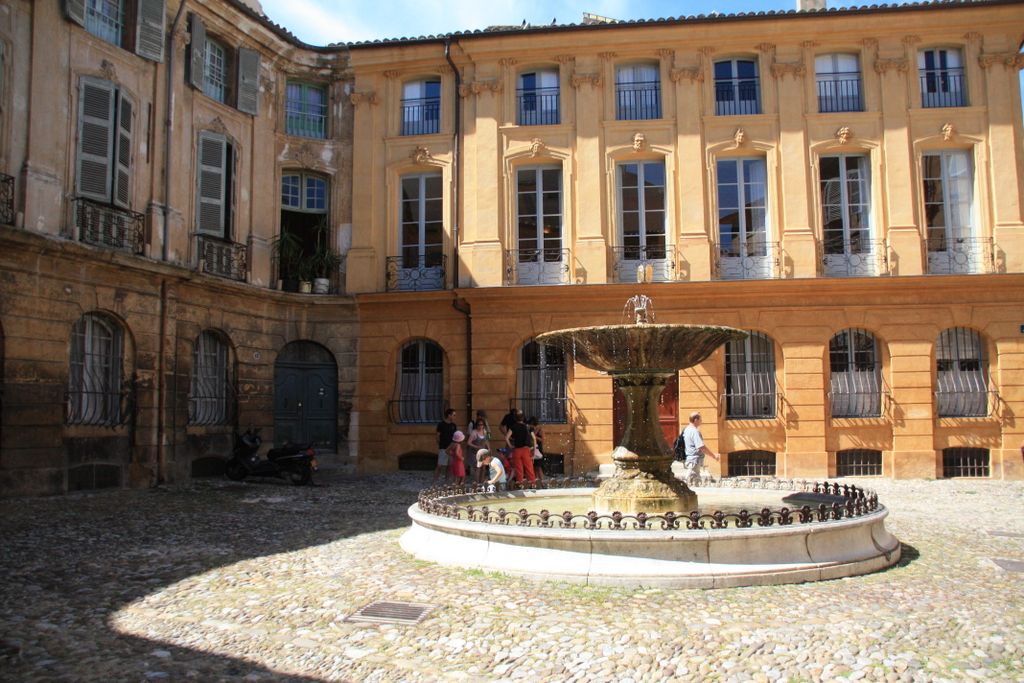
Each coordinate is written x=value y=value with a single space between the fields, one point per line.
x=105 y=117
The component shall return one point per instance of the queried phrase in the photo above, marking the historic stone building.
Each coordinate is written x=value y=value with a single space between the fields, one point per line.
x=152 y=154
x=845 y=185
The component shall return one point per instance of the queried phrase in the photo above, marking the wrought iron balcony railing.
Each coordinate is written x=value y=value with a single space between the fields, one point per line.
x=636 y=264
x=416 y=273
x=960 y=255
x=109 y=226
x=306 y=120
x=6 y=199
x=537 y=266
x=638 y=101
x=737 y=96
x=223 y=258
x=943 y=88
x=840 y=92
x=421 y=116
x=538 y=106
x=864 y=259
x=758 y=261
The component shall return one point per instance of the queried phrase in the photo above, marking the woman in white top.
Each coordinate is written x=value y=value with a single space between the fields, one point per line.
x=478 y=440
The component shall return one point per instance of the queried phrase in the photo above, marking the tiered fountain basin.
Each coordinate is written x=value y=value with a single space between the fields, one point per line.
x=746 y=532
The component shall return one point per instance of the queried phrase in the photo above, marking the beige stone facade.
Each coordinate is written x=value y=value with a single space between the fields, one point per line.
x=844 y=187
x=170 y=266
x=924 y=101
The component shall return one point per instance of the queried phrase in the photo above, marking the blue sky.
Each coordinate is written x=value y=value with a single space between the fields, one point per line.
x=327 y=21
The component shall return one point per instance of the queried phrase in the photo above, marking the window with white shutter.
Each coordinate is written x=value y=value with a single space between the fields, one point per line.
x=214 y=185
x=105 y=121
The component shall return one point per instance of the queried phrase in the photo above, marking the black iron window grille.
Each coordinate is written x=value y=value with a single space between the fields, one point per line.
x=6 y=199
x=638 y=100
x=859 y=462
x=212 y=398
x=223 y=258
x=416 y=273
x=965 y=462
x=961 y=374
x=750 y=378
x=838 y=92
x=109 y=226
x=97 y=393
x=538 y=106
x=421 y=115
x=420 y=384
x=856 y=378
x=751 y=464
x=542 y=382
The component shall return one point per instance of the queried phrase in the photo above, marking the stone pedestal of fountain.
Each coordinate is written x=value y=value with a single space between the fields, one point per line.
x=643 y=480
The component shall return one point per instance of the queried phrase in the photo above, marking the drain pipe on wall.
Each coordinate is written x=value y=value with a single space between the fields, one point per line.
x=168 y=125
x=459 y=304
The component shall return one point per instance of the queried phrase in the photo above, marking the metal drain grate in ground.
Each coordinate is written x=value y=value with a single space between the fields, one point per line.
x=1009 y=565
x=392 y=613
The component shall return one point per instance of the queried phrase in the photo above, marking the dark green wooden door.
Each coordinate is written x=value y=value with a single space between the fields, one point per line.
x=306 y=396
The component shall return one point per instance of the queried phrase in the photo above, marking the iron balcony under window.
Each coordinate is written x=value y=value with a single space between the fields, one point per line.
x=538 y=106
x=943 y=88
x=415 y=274
x=6 y=199
x=960 y=255
x=758 y=260
x=864 y=258
x=109 y=226
x=223 y=258
x=421 y=115
x=734 y=96
x=537 y=266
x=632 y=261
x=638 y=101
x=839 y=92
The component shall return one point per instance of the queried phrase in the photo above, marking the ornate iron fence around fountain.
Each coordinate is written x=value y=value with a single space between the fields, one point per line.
x=851 y=501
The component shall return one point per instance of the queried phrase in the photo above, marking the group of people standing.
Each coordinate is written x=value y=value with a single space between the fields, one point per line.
x=459 y=452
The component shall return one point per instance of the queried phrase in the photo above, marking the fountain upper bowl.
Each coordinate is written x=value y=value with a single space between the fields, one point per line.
x=623 y=349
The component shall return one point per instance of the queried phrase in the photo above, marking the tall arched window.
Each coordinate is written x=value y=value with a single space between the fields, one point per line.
x=421 y=107
x=637 y=92
x=537 y=97
x=737 y=87
x=542 y=381
x=421 y=382
x=96 y=377
x=750 y=377
x=209 y=401
x=961 y=374
x=856 y=378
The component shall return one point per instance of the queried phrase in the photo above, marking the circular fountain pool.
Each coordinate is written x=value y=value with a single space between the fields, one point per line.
x=745 y=532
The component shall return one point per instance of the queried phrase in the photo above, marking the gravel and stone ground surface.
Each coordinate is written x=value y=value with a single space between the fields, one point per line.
x=253 y=581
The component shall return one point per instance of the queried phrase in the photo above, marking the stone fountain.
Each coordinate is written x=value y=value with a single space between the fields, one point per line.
x=642 y=356
x=642 y=527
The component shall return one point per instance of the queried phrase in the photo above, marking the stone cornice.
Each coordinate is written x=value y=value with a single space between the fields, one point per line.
x=900 y=64
x=578 y=80
x=794 y=69
x=695 y=74
x=1010 y=60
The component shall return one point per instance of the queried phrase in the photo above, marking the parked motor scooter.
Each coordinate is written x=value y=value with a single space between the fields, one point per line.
x=294 y=463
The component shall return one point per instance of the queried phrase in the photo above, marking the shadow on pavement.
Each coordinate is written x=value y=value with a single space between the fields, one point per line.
x=70 y=563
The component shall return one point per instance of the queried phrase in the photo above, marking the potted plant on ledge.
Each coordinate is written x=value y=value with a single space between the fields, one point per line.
x=287 y=250
x=324 y=265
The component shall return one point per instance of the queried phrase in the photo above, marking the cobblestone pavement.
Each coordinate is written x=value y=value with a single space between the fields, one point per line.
x=252 y=581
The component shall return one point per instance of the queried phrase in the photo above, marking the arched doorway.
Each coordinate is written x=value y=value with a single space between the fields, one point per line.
x=306 y=395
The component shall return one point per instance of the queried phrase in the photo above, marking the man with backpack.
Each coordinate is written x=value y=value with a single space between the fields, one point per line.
x=690 y=448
